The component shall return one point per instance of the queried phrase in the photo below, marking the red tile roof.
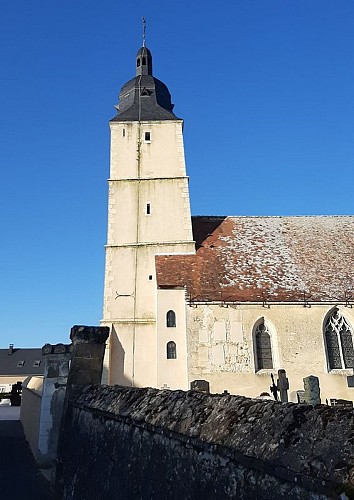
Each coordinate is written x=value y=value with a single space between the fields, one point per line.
x=265 y=258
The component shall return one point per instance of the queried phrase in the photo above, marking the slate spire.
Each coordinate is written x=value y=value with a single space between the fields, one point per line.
x=144 y=97
x=143 y=62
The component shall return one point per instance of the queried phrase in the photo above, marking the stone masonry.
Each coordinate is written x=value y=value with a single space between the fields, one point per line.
x=173 y=444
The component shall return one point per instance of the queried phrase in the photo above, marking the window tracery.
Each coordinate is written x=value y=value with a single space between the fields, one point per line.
x=264 y=356
x=339 y=341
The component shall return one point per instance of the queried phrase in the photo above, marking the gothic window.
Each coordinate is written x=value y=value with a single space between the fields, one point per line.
x=264 y=357
x=171 y=350
x=171 y=319
x=339 y=341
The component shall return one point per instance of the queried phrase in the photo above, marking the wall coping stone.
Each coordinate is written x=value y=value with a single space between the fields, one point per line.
x=56 y=349
x=81 y=334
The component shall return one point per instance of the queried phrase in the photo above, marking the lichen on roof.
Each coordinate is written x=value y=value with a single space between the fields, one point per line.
x=272 y=258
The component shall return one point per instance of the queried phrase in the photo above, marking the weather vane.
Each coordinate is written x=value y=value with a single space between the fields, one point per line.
x=144 y=31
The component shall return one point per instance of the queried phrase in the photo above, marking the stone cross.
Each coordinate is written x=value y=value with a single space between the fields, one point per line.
x=283 y=385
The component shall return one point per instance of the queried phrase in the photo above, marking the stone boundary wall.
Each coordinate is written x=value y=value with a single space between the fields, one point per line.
x=31 y=402
x=145 y=443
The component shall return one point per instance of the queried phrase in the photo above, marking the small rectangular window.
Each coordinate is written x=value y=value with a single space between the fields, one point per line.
x=123 y=132
x=150 y=277
x=20 y=364
x=148 y=209
x=147 y=136
x=36 y=363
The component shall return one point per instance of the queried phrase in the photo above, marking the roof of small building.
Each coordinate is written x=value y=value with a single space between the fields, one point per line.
x=300 y=258
x=21 y=362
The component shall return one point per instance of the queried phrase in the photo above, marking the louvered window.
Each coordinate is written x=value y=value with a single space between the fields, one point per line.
x=339 y=342
x=263 y=347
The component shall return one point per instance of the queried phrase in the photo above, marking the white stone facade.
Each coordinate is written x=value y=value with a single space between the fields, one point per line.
x=221 y=348
x=148 y=214
x=250 y=296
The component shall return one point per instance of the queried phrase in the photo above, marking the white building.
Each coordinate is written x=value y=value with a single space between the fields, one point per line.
x=225 y=299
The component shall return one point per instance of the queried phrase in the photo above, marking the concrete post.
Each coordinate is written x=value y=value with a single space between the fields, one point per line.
x=283 y=385
x=312 y=390
x=56 y=369
x=87 y=354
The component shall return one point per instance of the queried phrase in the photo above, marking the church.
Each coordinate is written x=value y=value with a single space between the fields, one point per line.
x=229 y=300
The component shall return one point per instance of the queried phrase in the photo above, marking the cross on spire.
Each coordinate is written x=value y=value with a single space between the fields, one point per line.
x=144 y=32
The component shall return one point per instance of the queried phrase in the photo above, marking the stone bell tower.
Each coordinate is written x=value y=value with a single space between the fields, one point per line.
x=148 y=214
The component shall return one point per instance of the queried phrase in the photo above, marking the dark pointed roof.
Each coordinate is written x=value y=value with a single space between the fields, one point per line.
x=144 y=97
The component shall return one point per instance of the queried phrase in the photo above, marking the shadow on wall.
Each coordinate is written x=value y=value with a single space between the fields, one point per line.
x=203 y=227
x=117 y=375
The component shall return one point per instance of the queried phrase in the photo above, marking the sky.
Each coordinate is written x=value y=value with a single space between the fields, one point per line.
x=265 y=88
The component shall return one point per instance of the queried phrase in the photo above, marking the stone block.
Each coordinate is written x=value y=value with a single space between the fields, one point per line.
x=312 y=390
x=89 y=334
x=218 y=354
x=203 y=355
x=220 y=330
x=236 y=333
x=204 y=335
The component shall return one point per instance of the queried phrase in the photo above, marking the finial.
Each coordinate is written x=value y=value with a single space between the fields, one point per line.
x=144 y=32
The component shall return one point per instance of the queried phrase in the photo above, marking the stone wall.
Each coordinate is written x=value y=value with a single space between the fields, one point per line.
x=56 y=369
x=221 y=348
x=144 y=443
x=30 y=411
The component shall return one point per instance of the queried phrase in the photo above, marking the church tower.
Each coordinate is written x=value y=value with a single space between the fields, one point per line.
x=148 y=214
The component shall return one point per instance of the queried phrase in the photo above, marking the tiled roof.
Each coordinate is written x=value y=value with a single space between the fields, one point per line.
x=10 y=365
x=265 y=258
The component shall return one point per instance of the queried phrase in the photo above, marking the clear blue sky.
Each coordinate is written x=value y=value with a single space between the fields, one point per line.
x=266 y=91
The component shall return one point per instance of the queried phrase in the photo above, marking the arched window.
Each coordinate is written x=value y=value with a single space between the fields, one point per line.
x=170 y=318
x=264 y=358
x=339 y=341
x=144 y=61
x=171 y=350
x=138 y=63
